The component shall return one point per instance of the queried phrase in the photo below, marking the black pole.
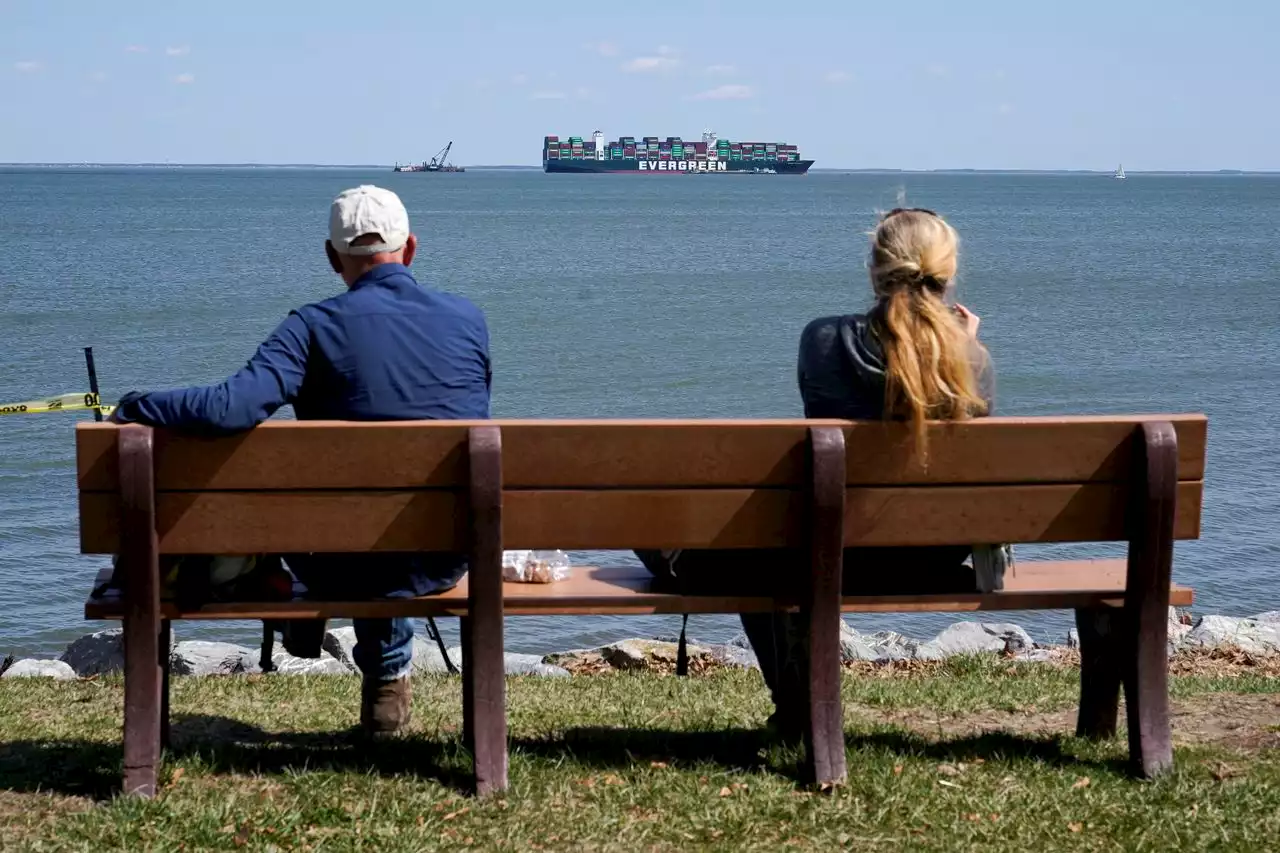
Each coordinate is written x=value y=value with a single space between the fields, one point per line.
x=93 y=380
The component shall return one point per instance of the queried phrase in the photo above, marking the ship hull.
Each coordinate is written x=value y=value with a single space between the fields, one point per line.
x=676 y=167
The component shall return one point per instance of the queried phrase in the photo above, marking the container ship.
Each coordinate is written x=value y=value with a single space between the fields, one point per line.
x=649 y=154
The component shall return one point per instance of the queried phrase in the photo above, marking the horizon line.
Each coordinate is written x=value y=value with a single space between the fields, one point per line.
x=508 y=166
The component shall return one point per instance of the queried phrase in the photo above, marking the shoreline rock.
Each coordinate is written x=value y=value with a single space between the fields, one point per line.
x=32 y=668
x=99 y=653
x=1254 y=635
x=102 y=652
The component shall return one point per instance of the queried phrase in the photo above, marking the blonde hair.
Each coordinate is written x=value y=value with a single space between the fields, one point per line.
x=929 y=356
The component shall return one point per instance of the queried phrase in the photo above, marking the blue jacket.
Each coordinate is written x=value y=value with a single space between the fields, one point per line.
x=387 y=349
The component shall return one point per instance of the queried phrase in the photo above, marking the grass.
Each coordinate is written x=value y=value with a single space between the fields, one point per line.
x=964 y=754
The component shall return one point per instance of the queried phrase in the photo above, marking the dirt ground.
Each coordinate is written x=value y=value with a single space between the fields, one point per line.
x=1248 y=721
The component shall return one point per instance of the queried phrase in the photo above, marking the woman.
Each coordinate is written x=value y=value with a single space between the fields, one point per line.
x=914 y=356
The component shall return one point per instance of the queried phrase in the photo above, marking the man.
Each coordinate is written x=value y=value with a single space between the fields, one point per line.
x=386 y=349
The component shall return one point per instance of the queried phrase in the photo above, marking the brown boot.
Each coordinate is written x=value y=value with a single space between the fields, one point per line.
x=384 y=706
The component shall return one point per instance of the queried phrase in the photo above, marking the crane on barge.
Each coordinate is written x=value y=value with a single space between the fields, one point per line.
x=438 y=163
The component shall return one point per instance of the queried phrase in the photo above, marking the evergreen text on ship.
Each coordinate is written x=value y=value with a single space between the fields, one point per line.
x=682 y=166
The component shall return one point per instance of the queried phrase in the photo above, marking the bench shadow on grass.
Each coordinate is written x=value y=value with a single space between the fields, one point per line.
x=747 y=750
x=226 y=746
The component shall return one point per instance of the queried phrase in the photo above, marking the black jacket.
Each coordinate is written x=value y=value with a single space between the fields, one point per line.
x=842 y=370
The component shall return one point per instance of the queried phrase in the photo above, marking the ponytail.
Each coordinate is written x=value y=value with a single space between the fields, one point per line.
x=929 y=355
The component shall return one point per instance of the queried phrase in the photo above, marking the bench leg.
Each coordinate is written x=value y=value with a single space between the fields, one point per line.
x=468 y=711
x=825 y=738
x=484 y=722
x=166 y=644
x=483 y=673
x=1146 y=695
x=1102 y=651
x=139 y=553
x=1146 y=673
x=142 y=706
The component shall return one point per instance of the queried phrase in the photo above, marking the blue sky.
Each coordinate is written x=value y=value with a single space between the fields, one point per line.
x=919 y=85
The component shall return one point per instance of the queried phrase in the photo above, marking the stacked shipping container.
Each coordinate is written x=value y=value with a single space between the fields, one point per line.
x=674 y=148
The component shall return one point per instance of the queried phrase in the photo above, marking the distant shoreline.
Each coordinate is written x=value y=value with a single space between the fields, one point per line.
x=522 y=168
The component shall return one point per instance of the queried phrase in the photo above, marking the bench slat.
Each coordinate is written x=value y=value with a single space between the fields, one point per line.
x=289 y=522
x=637 y=454
x=1046 y=585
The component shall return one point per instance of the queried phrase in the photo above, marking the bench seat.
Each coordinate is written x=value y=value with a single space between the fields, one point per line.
x=627 y=591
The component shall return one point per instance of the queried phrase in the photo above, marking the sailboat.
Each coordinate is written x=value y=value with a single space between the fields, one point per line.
x=1119 y=175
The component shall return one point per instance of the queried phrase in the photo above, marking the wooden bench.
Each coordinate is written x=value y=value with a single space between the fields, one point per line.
x=481 y=487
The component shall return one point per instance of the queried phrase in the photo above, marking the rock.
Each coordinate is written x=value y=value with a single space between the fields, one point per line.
x=427 y=657
x=96 y=654
x=636 y=655
x=733 y=656
x=854 y=646
x=675 y=638
x=1225 y=632
x=340 y=644
x=891 y=646
x=197 y=657
x=576 y=660
x=1037 y=656
x=1179 y=627
x=1270 y=617
x=518 y=664
x=966 y=638
x=287 y=664
x=30 y=668
x=632 y=654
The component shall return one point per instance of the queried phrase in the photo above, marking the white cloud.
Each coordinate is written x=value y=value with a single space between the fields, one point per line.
x=582 y=93
x=647 y=64
x=1005 y=109
x=938 y=70
x=551 y=75
x=837 y=77
x=729 y=92
x=135 y=48
x=519 y=79
x=721 y=70
x=184 y=79
x=548 y=96
x=604 y=48
x=664 y=50
x=999 y=74
x=28 y=66
x=177 y=51
x=98 y=77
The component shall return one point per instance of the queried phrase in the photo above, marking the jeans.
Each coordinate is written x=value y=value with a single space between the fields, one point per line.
x=384 y=647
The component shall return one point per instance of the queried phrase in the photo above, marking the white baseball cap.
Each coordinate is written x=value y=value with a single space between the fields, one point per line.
x=367 y=209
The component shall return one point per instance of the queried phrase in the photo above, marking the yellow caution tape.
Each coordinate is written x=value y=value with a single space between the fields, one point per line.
x=61 y=403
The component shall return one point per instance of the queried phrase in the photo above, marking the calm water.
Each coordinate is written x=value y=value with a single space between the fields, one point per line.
x=618 y=296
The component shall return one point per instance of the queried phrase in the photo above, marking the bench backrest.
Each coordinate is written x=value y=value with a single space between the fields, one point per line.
x=337 y=486
x=324 y=486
